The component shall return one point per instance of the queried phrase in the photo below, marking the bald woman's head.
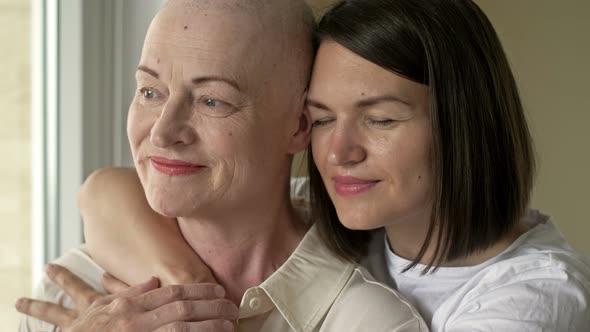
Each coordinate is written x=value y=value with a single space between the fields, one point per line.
x=221 y=83
x=278 y=33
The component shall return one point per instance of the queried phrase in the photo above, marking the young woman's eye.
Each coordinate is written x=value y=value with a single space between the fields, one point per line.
x=321 y=122
x=381 y=123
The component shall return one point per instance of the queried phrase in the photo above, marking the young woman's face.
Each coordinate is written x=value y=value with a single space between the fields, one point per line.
x=371 y=140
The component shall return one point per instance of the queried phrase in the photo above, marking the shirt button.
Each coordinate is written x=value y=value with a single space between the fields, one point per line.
x=255 y=303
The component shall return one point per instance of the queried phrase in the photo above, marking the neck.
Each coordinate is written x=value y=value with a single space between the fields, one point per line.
x=406 y=239
x=406 y=235
x=244 y=247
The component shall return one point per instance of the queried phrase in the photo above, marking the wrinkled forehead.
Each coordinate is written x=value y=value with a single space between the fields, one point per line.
x=212 y=40
x=205 y=30
x=191 y=25
x=246 y=17
x=195 y=6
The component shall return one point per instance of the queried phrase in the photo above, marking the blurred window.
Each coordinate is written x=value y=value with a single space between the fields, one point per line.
x=15 y=163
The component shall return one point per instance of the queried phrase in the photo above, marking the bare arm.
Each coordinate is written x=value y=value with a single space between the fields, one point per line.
x=128 y=239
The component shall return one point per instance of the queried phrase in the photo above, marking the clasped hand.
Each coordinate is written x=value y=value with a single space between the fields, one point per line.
x=145 y=307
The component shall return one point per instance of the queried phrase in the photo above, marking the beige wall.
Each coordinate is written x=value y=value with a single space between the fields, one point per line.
x=15 y=180
x=548 y=44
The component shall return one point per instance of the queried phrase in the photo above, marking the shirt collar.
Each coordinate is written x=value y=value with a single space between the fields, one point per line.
x=305 y=287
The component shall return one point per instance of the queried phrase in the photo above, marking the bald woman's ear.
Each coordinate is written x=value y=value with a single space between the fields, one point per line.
x=301 y=134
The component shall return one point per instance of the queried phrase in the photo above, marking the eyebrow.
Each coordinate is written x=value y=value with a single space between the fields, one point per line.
x=197 y=80
x=148 y=71
x=380 y=99
x=206 y=79
x=316 y=104
x=361 y=103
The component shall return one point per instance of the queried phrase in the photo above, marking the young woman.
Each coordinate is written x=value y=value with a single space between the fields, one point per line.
x=418 y=130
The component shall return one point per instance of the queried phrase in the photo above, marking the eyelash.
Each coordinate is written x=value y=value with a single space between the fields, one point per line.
x=204 y=101
x=380 y=123
x=321 y=123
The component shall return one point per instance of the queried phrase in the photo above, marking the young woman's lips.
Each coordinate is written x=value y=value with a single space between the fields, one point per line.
x=175 y=167
x=349 y=186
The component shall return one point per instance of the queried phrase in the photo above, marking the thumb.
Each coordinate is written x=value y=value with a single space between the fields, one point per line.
x=145 y=287
x=115 y=286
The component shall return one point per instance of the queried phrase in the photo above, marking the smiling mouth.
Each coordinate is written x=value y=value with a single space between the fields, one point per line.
x=349 y=186
x=175 y=167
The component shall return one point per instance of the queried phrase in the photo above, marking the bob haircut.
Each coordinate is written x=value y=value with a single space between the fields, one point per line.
x=483 y=159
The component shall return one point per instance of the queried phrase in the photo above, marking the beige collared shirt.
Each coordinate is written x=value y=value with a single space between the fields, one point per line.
x=313 y=291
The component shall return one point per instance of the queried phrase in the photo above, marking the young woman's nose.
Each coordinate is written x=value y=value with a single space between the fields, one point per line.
x=345 y=148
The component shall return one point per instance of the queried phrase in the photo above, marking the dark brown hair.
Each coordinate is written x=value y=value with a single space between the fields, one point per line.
x=483 y=158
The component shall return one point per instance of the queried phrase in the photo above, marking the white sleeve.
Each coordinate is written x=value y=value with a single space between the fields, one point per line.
x=78 y=262
x=551 y=304
x=46 y=291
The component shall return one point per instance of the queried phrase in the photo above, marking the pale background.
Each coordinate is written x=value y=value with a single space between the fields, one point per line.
x=15 y=163
x=548 y=44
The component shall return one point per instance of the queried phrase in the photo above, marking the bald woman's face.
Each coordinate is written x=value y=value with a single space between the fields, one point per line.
x=211 y=127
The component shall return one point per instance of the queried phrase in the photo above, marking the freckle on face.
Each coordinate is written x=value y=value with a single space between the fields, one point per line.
x=186 y=27
x=158 y=61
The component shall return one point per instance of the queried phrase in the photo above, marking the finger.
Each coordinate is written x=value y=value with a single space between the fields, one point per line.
x=45 y=311
x=169 y=294
x=150 y=285
x=113 y=285
x=82 y=294
x=189 y=311
x=206 y=326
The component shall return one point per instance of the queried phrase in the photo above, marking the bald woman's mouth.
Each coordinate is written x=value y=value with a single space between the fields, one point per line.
x=175 y=167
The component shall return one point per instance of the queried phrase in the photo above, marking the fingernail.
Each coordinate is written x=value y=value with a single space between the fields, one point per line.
x=19 y=304
x=219 y=291
x=228 y=326
x=50 y=270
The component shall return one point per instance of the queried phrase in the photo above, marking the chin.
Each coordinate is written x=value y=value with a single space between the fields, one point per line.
x=164 y=210
x=166 y=207
x=358 y=222
x=354 y=226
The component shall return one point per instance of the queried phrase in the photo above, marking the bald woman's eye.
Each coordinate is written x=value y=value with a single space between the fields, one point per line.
x=214 y=107
x=149 y=93
x=213 y=103
x=150 y=97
